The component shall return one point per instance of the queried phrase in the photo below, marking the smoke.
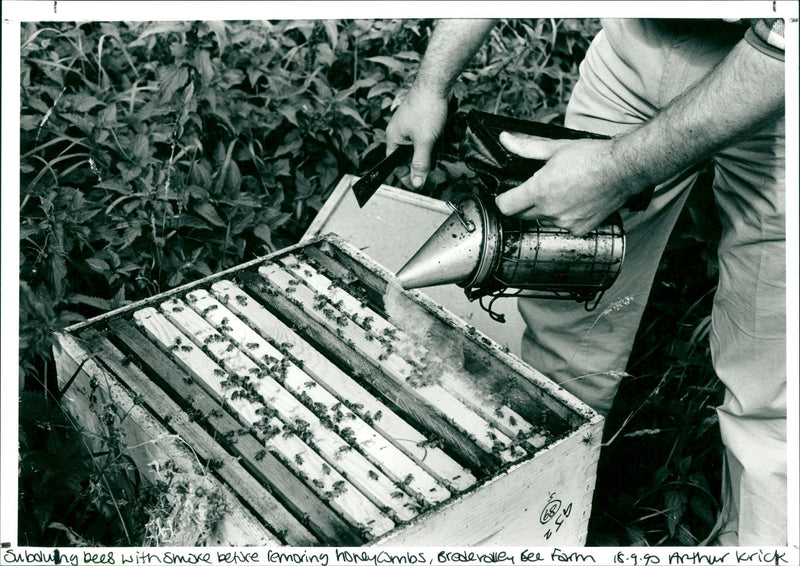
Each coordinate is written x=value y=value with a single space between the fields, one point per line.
x=438 y=346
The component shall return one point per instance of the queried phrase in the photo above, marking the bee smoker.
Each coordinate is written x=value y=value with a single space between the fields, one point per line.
x=492 y=255
x=498 y=256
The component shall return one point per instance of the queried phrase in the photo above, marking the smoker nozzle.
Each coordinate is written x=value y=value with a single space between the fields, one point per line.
x=450 y=255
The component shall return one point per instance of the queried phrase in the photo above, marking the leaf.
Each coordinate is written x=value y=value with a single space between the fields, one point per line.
x=232 y=78
x=306 y=27
x=165 y=27
x=207 y=211
x=701 y=331
x=128 y=174
x=224 y=166
x=661 y=475
x=369 y=81
x=348 y=111
x=84 y=123
x=263 y=232
x=29 y=122
x=254 y=74
x=153 y=108
x=253 y=38
x=96 y=302
x=202 y=62
x=233 y=179
x=393 y=64
x=202 y=268
x=221 y=32
x=108 y=117
x=188 y=94
x=408 y=55
x=141 y=147
x=171 y=79
x=83 y=102
x=189 y=221
x=332 y=31
x=242 y=220
x=132 y=232
x=36 y=104
x=201 y=174
x=676 y=506
x=247 y=200
x=289 y=112
x=381 y=88
x=98 y=265
x=282 y=168
x=279 y=220
x=28 y=231
x=706 y=424
x=175 y=279
x=58 y=273
x=197 y=192
x=291 y=144
x=112 y=30
x=119 y=297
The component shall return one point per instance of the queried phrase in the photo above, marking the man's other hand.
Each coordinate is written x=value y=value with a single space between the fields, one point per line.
x=580 y=185
x=420 y=120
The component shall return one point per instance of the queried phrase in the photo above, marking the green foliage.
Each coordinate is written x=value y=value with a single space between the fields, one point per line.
x=528 y=68
x=67 y=494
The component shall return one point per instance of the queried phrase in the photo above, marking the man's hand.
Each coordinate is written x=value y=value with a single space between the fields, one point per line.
x=421 y=117
x=578 y=187
x=419 y=120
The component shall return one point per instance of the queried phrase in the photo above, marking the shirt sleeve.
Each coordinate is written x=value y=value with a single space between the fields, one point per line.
x=767 y=35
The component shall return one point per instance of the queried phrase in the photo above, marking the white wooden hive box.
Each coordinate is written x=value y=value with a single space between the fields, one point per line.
x=329 y=407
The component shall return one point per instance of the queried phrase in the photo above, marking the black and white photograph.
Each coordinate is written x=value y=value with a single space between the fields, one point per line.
x=400 y=283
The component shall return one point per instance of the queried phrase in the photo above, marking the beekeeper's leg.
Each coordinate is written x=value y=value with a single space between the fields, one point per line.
x=748 y=339
x=587 y=352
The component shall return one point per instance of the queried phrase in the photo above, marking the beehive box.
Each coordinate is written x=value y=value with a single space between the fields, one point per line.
x=323 y=405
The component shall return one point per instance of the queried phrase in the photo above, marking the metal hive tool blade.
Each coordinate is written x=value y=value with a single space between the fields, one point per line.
x=364 y=188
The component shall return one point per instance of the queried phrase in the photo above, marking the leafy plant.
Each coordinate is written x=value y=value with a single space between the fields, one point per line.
x=99 y=499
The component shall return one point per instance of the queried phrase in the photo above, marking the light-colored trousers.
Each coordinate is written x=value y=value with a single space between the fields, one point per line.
x=633 y=69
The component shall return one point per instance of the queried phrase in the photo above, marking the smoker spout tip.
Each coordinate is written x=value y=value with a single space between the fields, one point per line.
x=450 y=255
x=433 y=266
x=408 y=278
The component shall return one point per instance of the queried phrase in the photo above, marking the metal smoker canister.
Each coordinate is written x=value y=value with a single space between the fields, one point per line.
x=488 y=254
